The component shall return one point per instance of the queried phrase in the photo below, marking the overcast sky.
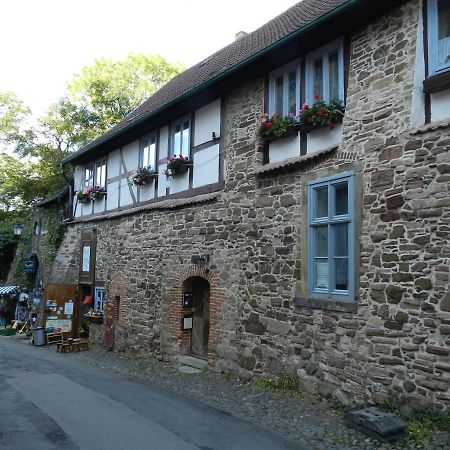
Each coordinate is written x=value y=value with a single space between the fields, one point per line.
x=45 y=42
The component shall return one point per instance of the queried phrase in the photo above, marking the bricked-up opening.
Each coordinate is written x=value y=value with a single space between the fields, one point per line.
x=217 y=297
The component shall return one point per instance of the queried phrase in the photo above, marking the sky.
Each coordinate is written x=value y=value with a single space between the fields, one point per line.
x=43 y=43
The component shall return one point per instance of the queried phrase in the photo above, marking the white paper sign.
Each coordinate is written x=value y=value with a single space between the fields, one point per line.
x=86 y=258
x=322 y=275
x=68 y=308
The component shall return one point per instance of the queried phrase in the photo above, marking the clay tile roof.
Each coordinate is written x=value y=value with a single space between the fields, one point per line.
x=292 y=20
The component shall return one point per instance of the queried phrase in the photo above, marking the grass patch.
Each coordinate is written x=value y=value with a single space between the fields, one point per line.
x=7 y=332
x=287 y=382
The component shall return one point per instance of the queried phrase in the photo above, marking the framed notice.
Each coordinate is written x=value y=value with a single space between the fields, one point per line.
x=86 y=258
x=68 y=308
x=187 y=323
x=322 y=274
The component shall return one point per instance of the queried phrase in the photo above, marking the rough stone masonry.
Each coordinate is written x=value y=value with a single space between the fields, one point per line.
x=395 y=341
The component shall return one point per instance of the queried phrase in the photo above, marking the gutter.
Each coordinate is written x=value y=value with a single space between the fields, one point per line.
x=329 y=15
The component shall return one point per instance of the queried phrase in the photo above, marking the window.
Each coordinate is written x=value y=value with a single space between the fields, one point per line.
x=100 y=173
x=331 y=238
x=181 y=138
x=89 y=176
x=284 y=90
x=325 y=73
x=438 y=36
x=148 y=152
x=99 y=299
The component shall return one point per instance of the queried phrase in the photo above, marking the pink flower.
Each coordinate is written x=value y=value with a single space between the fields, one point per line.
x=316 y=97
x=305 y=107
x=269 y=125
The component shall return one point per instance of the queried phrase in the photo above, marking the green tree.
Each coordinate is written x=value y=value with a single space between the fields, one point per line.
x=103 y=94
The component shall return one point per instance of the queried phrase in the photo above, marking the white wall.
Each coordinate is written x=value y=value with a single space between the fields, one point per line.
x=179 y=183
x=440 y=105
x=162 y=180
x=113 y=168
x=207 y=121
x=284 y=148
x=130 y=156
x=147 y=192
x=99 y=204
x=324 y=138
x=206 y=166
x=125 y=195
x=163 y=142
x=112 y=199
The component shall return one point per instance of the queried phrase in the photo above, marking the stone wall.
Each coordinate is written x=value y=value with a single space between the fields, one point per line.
x=395 y=343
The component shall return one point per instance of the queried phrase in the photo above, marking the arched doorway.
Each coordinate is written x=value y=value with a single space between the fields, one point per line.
x=199 y=334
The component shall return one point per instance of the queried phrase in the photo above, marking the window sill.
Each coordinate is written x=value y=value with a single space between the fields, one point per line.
x=326 y=304
x=295 y=163
x=437 y=83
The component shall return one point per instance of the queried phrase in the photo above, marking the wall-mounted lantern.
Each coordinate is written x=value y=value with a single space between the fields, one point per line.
x=17 y=229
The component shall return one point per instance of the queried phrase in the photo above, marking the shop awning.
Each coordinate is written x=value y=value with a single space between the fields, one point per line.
x=8 y=289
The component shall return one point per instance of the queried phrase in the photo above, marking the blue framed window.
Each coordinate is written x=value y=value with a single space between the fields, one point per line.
x=331 y=238
x=324 y=75
x=438 y=36
x=284 y=90
x=181 y=137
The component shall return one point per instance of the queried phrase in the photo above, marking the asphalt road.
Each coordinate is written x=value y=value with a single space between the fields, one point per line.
x=52 y=401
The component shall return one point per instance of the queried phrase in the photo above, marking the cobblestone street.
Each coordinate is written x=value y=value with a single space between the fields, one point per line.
x=301 y=418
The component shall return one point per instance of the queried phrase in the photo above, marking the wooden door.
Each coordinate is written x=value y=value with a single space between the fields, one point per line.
x=200 y=325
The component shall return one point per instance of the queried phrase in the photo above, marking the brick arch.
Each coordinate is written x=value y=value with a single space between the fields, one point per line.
x=216 y=299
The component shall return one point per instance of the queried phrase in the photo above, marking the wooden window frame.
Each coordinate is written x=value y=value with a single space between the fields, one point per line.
x=331 y=220
x=173 y=126
x=434 y=67
x=336 y=45
x=284 y=71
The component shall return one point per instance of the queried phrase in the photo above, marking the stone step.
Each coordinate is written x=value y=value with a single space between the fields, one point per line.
x=188 y=369
x=192 y=361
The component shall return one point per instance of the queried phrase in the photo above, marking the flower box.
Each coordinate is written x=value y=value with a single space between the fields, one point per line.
x=90 y=193
x=94 y=317
x=177 y=165
x=144 y=175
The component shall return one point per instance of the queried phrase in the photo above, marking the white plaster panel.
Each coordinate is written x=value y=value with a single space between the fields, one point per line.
x=206 y=166
x=76 y=207
x=78 y=177
x=113 y=168
x=284 y=148
x=125 y=195
x=324 y=138
x=440 y=105
x=162 y=180
x=86 y=208
x=130 y=154
x=147 y=192
x=179 y=183
x=99 y=204
x=207 y=121
x=112 y=199
x=163 y=142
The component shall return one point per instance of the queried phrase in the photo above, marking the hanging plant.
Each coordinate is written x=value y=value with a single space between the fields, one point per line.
x=143 y=175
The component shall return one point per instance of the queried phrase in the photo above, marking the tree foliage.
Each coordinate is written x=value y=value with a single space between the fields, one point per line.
x=97 y=98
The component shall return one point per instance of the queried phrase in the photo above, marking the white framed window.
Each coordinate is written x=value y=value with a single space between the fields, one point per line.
x=438 y=30
x=148 y=152
x=89 y=175
x=99 y=299
x=284 y=90
x=100 y=173
x=181 y=137
x=324 y=75
x=331 y=238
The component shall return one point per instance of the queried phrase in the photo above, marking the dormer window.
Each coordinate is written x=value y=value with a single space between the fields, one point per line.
x=325 y=73
x=284 y=90
x=438 y=36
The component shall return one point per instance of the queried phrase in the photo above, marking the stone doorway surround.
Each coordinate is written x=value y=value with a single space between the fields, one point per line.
x=216 y=298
